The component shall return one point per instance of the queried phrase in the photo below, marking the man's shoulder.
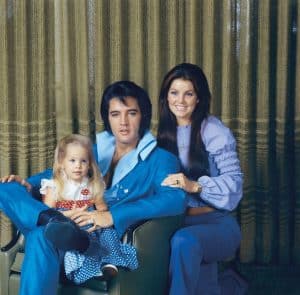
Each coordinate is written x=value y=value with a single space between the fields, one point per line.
x=161 y=161
x=163 y=154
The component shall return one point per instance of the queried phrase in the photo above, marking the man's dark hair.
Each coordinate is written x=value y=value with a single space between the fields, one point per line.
x=121 y=90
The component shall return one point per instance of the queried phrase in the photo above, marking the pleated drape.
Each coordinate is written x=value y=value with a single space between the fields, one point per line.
x=57 y=56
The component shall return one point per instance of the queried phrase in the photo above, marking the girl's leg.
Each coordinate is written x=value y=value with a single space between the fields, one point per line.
x=41 y=265
x=197 y=248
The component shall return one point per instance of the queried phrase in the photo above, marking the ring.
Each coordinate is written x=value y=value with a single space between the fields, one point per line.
x=177 y=181
x=91 y=221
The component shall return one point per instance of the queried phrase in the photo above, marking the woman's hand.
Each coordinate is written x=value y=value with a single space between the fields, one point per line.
x=97 y=218
x=181 y=181
x=17 y=178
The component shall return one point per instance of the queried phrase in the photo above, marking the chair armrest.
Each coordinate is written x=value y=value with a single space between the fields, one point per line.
x=12 y=243
x=7 y=258
x=9 y=251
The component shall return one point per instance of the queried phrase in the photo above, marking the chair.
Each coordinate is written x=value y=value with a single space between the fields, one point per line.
x=151 y=238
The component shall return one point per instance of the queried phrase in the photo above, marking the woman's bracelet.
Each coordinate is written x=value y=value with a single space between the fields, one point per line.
x=198 y=188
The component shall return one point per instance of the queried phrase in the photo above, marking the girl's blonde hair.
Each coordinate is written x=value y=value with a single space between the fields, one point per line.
x=94 y=174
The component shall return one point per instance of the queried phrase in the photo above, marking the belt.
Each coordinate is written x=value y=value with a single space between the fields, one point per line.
x=198 y=210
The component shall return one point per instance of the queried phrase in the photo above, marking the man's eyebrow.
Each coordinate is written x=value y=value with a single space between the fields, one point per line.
x=128 y=110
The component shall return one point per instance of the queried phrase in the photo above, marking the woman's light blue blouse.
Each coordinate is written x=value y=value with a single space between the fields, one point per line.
x=223 y=189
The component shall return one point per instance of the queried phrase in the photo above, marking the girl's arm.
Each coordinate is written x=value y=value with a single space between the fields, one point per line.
x=100 y=204
x=49 y=198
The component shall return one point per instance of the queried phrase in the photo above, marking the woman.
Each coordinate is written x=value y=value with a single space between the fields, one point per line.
x=211 y=176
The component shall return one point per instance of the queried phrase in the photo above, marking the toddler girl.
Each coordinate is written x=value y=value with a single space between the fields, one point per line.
x=77 y=183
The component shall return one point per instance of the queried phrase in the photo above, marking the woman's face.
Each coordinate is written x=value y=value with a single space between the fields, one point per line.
x=182 y=100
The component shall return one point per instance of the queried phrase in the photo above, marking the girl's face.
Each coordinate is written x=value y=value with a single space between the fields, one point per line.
x=76 y=162
x=182 y=100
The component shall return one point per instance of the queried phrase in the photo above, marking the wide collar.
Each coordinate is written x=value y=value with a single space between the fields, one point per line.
x=105 y=149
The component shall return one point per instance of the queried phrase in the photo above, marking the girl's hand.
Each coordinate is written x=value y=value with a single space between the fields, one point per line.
x=17 y=178
x=97 y=218
x=101 y=206
x=181 y=181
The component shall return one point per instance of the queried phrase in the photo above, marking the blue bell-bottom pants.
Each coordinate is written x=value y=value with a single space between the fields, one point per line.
x=41 y=265
x=195 y=250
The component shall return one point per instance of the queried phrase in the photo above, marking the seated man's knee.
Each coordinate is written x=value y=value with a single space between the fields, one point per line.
x=36 y=240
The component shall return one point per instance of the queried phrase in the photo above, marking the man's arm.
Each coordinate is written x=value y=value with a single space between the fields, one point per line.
x=32 y=183
x=35 y=180
x=153 y=206
x=158 y=202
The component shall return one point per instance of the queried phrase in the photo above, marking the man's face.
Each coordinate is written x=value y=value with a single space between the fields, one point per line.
x=125 y=120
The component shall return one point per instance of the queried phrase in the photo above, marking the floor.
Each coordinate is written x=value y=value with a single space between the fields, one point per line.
x=270 y=280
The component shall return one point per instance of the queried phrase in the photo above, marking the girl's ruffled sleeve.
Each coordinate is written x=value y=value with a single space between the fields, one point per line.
x=224 y=188
x=45 y=185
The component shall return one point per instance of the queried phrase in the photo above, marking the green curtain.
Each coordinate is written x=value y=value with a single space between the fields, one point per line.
x=57 y=56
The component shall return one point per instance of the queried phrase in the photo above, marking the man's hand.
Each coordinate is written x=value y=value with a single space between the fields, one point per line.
x=97 y=218
x=17 y=178
x=74 y=210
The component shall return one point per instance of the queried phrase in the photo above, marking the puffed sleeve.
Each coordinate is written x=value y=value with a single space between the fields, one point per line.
x=45 y=184
x=224 y=188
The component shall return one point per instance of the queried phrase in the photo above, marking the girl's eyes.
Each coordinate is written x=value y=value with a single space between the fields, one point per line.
x=82 y=161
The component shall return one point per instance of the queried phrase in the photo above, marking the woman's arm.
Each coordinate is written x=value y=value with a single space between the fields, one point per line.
x=223 y=189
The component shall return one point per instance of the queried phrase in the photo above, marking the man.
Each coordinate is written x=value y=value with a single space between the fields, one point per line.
x=133 y=168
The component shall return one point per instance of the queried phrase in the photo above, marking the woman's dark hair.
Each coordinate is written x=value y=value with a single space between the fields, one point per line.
x=167 y=126
x=121 y=90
